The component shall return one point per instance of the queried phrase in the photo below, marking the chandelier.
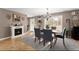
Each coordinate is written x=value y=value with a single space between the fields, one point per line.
x=47 y=13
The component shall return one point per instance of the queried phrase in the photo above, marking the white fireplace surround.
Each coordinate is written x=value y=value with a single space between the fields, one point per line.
x=13 y=31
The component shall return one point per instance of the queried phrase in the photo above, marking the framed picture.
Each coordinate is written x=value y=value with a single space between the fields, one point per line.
x=16 y=17
x=67 y=20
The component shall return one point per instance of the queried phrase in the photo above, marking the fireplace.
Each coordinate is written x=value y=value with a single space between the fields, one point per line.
x=16 y=31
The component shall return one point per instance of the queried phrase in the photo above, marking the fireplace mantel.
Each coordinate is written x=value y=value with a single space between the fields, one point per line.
x=16 y=31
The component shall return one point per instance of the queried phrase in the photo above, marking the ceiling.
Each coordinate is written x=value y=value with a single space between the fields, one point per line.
x=30 y=12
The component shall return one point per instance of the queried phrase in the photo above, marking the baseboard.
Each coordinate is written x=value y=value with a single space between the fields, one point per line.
x=4 y=38
x=12 y=37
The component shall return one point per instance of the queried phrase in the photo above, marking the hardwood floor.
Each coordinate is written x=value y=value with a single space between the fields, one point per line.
x=14 y=45
x=18 y=44
x=77 y=42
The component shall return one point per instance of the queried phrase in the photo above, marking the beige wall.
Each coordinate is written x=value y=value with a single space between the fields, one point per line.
x=68 y=15
x=5 y=22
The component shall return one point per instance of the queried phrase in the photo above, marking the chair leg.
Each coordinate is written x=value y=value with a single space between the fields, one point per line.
x=55 y=42
x=51 y=44
x=35 y=39
x=64 y=43
x=44 y=43
x=39 y=40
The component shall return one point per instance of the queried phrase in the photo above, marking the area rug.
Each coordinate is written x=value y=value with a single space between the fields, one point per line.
x=70 y=44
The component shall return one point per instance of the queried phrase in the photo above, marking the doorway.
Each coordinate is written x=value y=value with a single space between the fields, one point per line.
x=32 y=24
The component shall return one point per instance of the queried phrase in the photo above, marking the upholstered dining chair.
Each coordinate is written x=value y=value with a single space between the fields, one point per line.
x=37 y=34
x=47 y=37
x=62 y=36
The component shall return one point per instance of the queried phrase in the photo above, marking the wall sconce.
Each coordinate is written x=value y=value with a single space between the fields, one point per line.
x=23 y=18
x=8 y=16
x=73 y=13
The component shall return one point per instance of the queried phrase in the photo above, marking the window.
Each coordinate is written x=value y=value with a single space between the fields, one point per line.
x=55 y=21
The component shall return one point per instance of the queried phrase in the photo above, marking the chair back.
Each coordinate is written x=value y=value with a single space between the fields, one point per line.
x=64 y=32
x=47 y=35
x=37 y=32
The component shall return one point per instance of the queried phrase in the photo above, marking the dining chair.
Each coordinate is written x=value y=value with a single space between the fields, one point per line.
x=47 y=37
x=61 y=36
x=37 y=34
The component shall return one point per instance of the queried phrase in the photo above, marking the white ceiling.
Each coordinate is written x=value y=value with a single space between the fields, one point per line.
x=38 y=11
